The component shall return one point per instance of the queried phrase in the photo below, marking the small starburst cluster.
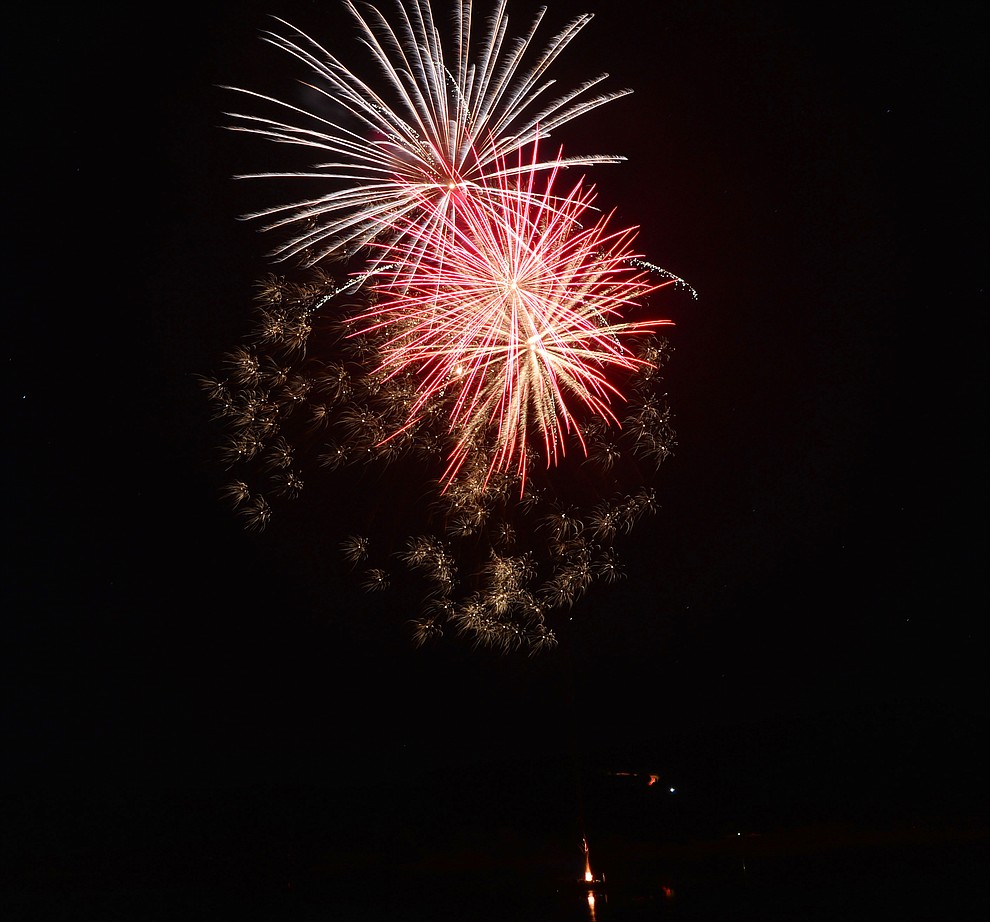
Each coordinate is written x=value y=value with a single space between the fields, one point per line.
x=480 y=327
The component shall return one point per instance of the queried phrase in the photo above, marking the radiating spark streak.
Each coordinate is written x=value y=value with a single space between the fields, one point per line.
x=438 y=127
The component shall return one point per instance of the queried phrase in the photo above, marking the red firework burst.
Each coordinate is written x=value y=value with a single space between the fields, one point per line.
x=509 y=312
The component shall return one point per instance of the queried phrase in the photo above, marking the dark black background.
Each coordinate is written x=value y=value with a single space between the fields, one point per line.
x=800 y=638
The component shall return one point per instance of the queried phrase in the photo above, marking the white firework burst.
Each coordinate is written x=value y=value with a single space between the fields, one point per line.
x=430 y=122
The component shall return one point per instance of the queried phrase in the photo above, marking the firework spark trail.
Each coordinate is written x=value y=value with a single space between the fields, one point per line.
x=438 y=129
x=511 y=313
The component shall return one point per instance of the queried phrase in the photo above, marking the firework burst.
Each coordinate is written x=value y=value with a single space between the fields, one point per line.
x=488 y=321
x=431 y=121
x=509 y=313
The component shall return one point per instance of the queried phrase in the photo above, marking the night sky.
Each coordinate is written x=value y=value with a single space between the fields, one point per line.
x=799 y=639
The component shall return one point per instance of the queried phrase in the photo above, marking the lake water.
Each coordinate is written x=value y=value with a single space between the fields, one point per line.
x=933 y=881
x=500 y=847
